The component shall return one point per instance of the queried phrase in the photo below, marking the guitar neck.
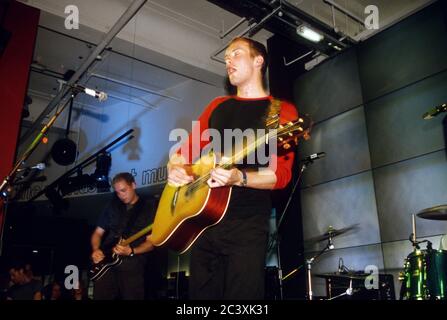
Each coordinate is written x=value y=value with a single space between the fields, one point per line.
x=137 y=235
x=239 y=156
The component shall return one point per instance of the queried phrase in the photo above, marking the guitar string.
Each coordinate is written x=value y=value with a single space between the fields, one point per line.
x=197 y=183
x=282 y=131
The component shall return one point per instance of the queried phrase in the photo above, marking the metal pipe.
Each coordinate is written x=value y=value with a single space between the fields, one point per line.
x=215 y=53
x=345 y=11
x=332 y=39
x=295 y=60
x=233 y=27
x=122 y=21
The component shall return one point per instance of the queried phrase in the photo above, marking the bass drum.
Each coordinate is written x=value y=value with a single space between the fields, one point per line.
x=425 y=275
x=437 y=274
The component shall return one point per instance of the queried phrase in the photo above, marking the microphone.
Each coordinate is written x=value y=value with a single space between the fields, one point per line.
x=314 y=156
x=341 y=264
x=330 y=245
x=435 y=111
x=100 y=95
x=39 y=166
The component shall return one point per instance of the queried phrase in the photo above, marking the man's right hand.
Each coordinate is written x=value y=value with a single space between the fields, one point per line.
x=177 y=176
x=97 y=255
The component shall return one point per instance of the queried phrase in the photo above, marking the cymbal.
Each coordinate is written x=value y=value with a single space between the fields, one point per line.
x=434 y=213
x=353 y=276
x=331 y=233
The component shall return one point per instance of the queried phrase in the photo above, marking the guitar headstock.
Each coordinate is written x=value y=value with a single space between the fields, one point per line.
x=289 y=133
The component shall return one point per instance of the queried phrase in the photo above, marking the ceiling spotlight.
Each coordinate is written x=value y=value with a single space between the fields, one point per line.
x=308 y=33
x=101 y=174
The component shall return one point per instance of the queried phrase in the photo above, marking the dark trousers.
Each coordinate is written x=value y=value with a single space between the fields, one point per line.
x=228 y=260
x=125 y=281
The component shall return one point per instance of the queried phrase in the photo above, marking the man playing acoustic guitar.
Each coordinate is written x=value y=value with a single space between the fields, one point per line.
x=228 y=259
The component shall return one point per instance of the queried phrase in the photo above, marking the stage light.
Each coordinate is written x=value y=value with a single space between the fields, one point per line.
x=76 y=183
x=56 y=199
x=101 y=175
x=309 y=34
x=64 y=152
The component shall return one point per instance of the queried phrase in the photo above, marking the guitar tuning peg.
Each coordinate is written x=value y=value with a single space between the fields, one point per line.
x=300 y=120
x=300 y=129
x=280 y=139
x=290 y=123
x=291 y=134
x=281 y=126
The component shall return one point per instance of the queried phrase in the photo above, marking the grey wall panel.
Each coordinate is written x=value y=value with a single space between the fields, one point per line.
x=341 y=203
x=396 y=130
x=406 y=188
x=344 y=139
x=408 y=51
x=356 y=259
x=330 y=88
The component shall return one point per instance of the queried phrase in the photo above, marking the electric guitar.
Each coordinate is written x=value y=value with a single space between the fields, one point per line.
x=184 y=212
x=111 y=259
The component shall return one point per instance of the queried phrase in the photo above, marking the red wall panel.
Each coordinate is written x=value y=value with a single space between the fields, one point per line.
x=22 y=21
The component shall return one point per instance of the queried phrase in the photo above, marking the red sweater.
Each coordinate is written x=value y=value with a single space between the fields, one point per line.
x=284 y=162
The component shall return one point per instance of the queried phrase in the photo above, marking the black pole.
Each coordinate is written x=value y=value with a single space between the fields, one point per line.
x=70 y=109
x=278 y=225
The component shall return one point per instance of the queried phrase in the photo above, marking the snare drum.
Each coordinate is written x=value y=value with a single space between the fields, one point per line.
x=425 y=275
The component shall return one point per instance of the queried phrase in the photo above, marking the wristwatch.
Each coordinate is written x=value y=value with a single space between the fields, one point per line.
x=132 y=253
x=244 y=178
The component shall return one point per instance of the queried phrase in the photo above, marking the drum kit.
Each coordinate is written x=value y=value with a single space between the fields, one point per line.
x=425 y=271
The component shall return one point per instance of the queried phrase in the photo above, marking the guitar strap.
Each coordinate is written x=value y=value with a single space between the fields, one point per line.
x=272 y=119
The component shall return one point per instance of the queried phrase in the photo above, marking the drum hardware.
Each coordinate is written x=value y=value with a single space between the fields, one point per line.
x=331 y=233
x=349 y=292
x=425 y=270
x=351 y=285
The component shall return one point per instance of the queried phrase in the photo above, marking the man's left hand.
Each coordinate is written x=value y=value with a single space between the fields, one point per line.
x=122 y=250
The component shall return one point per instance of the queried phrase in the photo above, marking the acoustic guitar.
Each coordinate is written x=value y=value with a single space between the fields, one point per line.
x=184 y=212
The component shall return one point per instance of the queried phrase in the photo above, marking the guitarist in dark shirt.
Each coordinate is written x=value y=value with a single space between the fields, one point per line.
x=126 y=214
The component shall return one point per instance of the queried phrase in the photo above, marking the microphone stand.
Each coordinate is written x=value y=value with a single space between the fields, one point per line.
x=309 y=263
x=33 y=145
x=8 y=182
x=278 y=225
